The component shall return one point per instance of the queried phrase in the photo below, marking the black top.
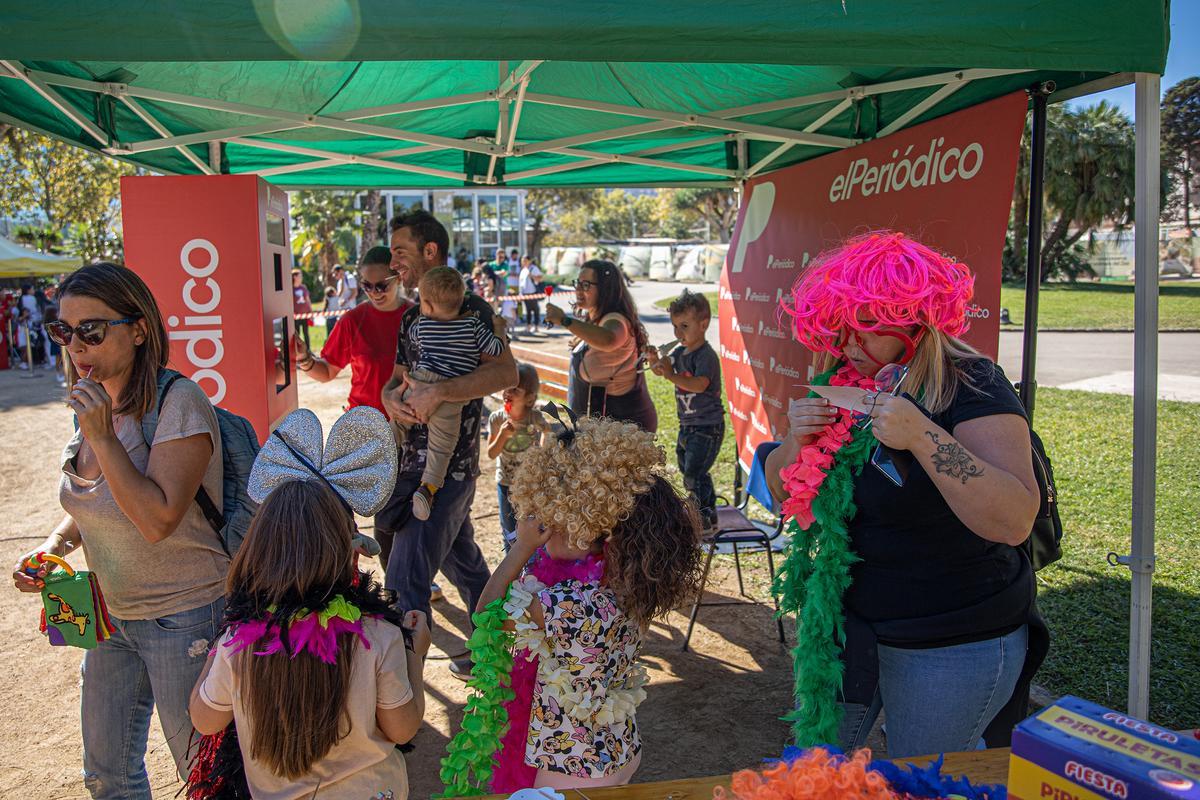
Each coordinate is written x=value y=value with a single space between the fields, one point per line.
x=699 y=408
x=464 y=462
x=925 y=579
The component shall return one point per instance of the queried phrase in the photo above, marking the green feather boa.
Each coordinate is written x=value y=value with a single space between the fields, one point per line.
x=810 y=584
x=470 y=756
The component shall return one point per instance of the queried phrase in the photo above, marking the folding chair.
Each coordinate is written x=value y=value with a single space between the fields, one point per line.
x=736 y=529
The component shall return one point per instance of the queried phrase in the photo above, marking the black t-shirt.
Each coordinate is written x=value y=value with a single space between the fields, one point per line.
x=464 y=462
x=699 y=408
x=924 y=578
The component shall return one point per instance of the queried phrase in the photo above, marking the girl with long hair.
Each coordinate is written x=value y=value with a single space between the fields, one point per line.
x=129 y=504
x=319 y=675
x=604 y=378
x=929 y=571
x=615 y=552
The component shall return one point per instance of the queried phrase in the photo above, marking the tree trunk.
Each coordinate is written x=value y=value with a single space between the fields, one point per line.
x=372 y=203
x=1053 y=243
x=1187 y=192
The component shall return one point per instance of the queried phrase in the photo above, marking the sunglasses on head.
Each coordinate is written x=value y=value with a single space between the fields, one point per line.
x=91 y=331
x=382 y=286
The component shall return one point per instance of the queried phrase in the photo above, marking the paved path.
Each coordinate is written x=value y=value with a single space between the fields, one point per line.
x=1099 y=362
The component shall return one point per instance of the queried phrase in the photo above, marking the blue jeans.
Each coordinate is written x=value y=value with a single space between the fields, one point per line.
x=508 y=517
x=940 y=699
x=445 y=541
x=696 y=450
x=146 y=663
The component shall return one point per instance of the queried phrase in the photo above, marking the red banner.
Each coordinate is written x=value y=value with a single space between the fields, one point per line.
x=947 y=182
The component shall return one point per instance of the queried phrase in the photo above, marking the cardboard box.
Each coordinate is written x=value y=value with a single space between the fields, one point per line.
x=1076 y=750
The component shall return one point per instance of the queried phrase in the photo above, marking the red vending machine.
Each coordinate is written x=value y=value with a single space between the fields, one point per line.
x=214 y=251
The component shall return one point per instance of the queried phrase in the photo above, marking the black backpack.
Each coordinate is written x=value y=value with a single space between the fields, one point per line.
x=239 y=446
x=1044 y=545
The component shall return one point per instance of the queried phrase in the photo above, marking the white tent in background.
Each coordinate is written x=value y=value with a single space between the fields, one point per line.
x=21 y=262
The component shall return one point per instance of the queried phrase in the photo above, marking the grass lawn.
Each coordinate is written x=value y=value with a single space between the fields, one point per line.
x=1103 y=306
x=1085 y=601
x=1089 y=306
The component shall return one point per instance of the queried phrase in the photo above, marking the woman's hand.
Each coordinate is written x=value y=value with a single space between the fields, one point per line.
x=416 y=623
x=899 y=424
x=531 y=535
x=554 y=314
x=24 y=582
x=93 y=408
x=302 y=351
x=808 y=417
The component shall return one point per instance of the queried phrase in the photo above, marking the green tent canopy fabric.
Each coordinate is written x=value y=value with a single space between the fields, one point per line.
x=377 y=93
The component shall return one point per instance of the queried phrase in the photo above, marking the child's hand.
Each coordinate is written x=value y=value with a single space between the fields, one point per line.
x=531 y=534
x=508 y=428
x=416 y=623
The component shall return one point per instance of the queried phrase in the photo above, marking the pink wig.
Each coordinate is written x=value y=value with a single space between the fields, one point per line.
x=884 y=277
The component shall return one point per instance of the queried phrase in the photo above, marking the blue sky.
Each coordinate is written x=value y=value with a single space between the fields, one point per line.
x=1183 y=59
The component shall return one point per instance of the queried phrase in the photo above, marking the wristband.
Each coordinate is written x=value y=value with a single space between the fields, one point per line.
x=568 y=321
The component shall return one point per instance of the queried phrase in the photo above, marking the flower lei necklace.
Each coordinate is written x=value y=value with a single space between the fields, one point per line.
x=816 y=571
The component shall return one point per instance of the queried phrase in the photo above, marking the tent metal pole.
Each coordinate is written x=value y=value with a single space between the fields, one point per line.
x=1033 y=237
x=1145 y=387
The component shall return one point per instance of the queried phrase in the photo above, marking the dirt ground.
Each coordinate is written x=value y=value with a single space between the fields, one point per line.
x=709 y=711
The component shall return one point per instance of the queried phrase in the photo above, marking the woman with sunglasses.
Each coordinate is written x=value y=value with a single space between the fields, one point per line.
x=940 y=624
x=364 y=339
x=130 y=505
x=605 y=380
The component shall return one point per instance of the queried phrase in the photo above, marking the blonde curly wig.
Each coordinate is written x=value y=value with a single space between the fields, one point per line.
x=585 y=490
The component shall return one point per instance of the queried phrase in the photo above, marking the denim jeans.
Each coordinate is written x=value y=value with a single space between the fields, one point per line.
x=508 y=517
x=445 y=541
x=696 y=450
x=939 y=699
x=146 y=663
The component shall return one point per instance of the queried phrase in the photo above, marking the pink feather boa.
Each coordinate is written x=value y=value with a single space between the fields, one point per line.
x=803 y=478
x=511 y=772
x=305 y=634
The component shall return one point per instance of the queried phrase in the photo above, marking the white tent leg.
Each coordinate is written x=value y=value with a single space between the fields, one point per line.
x=1145 y=396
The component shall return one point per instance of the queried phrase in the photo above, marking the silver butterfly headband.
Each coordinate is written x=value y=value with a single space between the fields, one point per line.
x=358 y=461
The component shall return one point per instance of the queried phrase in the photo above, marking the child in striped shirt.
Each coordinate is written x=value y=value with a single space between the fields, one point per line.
x=449 y=345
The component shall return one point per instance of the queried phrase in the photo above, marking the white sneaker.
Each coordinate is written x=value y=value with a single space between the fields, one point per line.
x=22 y=365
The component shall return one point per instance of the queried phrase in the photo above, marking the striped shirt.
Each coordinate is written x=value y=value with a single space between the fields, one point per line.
x=452 y=348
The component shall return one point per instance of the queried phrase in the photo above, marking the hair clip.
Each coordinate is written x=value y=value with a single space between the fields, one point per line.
x=567 y=434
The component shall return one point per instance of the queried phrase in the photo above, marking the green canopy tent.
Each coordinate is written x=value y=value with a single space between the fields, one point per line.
x=380 y=93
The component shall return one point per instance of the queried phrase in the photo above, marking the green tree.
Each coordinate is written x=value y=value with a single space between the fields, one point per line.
x=544 y=207
x=1181 y=138
x=63 y=190
x=327 y=222
x=1089 y=181
x=715 y=208
x=374 y=219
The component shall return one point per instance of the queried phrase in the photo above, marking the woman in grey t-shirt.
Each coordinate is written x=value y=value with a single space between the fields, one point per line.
x=130 y=507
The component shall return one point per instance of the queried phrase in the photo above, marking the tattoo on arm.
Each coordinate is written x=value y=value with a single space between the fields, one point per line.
x=953 y=459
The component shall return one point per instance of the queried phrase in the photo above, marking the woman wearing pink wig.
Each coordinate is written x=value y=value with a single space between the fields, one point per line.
x=939 y=606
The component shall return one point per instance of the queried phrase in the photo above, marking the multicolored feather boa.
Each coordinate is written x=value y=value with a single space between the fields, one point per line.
x=824 y=773
x=816 y=571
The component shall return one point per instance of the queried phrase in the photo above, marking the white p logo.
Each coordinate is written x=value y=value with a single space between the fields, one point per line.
x=758 y=212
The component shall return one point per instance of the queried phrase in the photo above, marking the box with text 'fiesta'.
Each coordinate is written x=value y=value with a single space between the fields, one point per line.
x=1076 y=750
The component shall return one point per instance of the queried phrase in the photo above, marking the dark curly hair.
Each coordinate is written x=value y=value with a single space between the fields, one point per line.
x=652 y=561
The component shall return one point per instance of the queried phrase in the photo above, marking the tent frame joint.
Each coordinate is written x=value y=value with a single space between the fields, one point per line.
x=1143 y=565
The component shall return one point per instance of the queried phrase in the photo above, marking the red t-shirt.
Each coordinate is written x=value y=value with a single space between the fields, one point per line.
x=365 y=338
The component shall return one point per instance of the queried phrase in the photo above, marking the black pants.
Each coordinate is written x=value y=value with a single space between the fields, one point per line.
x=445 y=541
x=302 y=330
x=533 y=312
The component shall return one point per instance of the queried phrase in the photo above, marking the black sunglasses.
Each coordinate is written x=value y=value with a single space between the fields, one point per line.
x=91 y=331
x=382 y=286
x=583 y=286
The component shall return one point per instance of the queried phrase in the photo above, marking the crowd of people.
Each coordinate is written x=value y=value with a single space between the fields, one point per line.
x=315 y=669
x=25 y=317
